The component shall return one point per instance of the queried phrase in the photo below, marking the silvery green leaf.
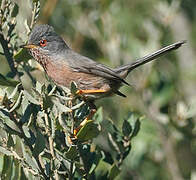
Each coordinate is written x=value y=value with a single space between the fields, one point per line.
x=39 y=87
x=65 y=98
x=14 y=92
x=52 y=90
x=24 y=105
x=7 y=121
x=39 y=144
x=61 y=107
x=17 y=103
x=4 y=81
x=26 y=131
x=5 y=151
x=77 y=106
x=30 y=98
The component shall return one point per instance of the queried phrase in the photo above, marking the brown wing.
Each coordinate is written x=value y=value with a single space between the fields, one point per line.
x=83 y=64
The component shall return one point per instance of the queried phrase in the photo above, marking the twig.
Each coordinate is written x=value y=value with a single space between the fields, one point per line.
x=72 y=132
x=8 y=55
x=49 y=134
x=51 y=144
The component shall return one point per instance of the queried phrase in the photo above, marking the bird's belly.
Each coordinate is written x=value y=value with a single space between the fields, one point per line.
x=64 y=76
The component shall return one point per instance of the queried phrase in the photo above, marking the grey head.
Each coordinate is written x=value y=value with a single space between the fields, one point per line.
x=46 y=40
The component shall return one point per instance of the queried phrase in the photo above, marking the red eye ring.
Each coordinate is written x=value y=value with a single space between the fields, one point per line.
x=43 y=43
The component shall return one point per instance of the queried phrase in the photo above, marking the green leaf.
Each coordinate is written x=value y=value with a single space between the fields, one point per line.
x=73 y=88
x=89 y=131
x=47 y=168
x=114 y=171
x=97 y=155
x=126 y=128
x=39 y=144
x=136 y=128
x=22 y=56
x=102 y=169
x=134 y=122
x=47 y=102
x=7 y=168
x=17 y=103
x=72 y=153
x=80 y=170
x=82 y=112
x=10 y=142
x=17 y=168
x=15 y=10
x=4 y=114
x=99 y=115
x=23 y=176
x=4 y=81
x=27 y=114
x=109 y=127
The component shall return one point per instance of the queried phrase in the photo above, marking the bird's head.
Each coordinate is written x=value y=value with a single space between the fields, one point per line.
x=44 y=40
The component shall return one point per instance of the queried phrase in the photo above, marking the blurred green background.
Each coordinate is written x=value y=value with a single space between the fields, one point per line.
x=116 y=32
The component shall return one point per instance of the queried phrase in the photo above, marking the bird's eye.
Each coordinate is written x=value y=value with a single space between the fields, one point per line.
x=43 y=43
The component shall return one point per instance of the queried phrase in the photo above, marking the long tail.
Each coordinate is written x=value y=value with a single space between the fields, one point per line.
x=125 y=69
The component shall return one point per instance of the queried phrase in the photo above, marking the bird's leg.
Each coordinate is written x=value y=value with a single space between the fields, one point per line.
x=93 y=110
x=90 y=91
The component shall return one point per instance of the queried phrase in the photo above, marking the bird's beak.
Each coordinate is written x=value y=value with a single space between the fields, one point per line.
x=29 y=46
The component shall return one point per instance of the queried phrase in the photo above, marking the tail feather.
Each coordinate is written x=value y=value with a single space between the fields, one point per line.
x=125 y=69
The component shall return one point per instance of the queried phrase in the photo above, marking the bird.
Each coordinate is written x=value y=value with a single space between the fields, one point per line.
x=64 y=66
x=93 y=79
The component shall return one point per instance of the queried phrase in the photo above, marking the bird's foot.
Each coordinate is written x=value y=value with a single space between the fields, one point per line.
x=90 y=91
x=92 y=112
